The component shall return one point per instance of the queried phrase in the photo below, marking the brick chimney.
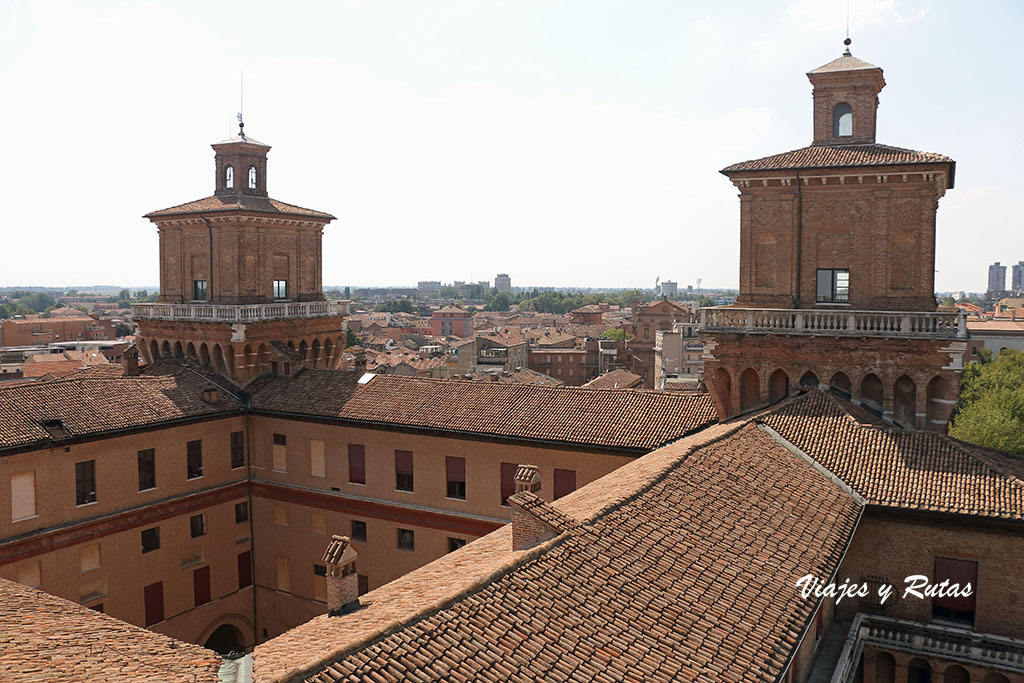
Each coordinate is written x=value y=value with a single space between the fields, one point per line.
x=527 y=478
x=342 y=579
x=130 y=361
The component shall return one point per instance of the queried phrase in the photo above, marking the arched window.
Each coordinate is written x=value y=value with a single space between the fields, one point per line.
x=842 y=120
x=229 y=177
x=252 y=177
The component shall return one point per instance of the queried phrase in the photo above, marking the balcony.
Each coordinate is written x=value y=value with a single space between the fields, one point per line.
x=938 y=640
x=843 y=323
x=239 y=313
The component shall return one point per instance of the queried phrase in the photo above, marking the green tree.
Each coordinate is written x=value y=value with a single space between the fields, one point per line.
x=123 y=330
x=351 y=339
x=347 y=294
x=124 y=295
x=990 y=409
x=498 y=302
x=618 y=334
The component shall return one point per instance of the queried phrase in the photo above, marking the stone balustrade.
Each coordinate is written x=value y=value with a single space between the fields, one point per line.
x=937 y=640
x=240 y=313
x=844 y=323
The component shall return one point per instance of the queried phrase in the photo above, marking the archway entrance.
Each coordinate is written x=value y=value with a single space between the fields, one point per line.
x=225 y=640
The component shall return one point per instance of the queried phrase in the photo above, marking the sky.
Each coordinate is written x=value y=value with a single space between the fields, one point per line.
x=565 y=142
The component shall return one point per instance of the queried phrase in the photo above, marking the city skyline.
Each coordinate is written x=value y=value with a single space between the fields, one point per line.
x=509 y=138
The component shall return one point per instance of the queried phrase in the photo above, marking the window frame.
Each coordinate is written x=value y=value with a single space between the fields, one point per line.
x=404 y=480
x=85 y=487
x=409 y=534
x=357 y=454
x=193 y=450
x=354 y=528
x=197 y=530
x=833 y=296
x=455 y=487
x=199 y=288
x=280 y=290
x=237 y=450
x=242 y=512
x=149 y=453
x=155 y=535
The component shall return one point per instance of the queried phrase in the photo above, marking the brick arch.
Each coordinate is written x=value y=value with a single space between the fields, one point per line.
x=955 y=674
x=778 y=386
x=190 y=351
x=995 y=677
x=750 y=390
x=238 y=621
x=809 y=379
x=303 y=349
x=885 y=668
x=904 y=401
x=918 y=669
x=328 y=354
x=219 y=361
x=314 y=353
x=204 y=354
x=872 y=392
x=178 y=351
x=841 y=385
x=154 y=351
x=165 y=349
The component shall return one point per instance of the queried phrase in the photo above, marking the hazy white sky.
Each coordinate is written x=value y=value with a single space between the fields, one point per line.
x=571 y=142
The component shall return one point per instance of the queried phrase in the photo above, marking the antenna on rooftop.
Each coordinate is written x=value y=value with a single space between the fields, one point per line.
x=241 y=103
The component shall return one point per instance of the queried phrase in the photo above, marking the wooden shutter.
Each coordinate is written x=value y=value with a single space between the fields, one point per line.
x=244 y=569
x=154 y=593
x=961 y=572
x=455 y=468
x=565 y=482
x=201 y=585
x=508 y=480
x=356 y=463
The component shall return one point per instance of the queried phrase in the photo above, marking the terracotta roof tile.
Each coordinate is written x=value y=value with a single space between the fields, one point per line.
x=87 y=403
x=827 y=156
x=892 y=467
x=627 y=419
x=616 y=379
x=46 y=638
x=223 y=203
x=662 y=584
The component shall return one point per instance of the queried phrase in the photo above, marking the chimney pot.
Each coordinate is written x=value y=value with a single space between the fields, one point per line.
x=130 y=361
x=342 y=579
x=527 y=478
x=210 y=395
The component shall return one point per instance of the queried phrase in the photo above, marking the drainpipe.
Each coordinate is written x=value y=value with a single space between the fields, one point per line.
x=209 y=228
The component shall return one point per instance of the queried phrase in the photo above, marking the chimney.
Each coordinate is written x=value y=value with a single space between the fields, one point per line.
x=527 y=478
x=210 y=395
x=130 y=361
x=342 y=579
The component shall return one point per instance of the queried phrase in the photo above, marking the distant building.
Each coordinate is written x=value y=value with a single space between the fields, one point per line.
x=997 y=277
x=678 y=356
x=36 y=330
x=450 y=321
x=668 y=288
x=502 y=282
x=1017 y=278
x=428 y=286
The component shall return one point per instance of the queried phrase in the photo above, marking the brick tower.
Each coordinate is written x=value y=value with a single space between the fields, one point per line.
x=240 y=277
x=837 y=260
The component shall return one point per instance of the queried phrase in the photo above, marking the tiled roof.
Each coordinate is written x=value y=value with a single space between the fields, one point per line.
x=627 y=419
x=842 y=156
x=88 y=403
x=46 y=638
x=687 y=575
x=898 y=468
x=616 y=379
x=222 y=203
x=845 y=63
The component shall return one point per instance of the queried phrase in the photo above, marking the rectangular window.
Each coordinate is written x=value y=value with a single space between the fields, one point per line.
x=242 y=512
x=147 y=469
x=30 y=574
x=320 y=582
x=959 y=572
x=508 y=481
x=565 y=482
x=150 y=539
x=89 y=557
x=194 y=457
x=199 y=290
x=197 y=525
x=237 y=450
x=358 y=530
x=280 y=453
x=85 y=482
x=403 y=470
x=154 y=593
x=317 y=458
x=833 y=285
x=406 y=539
x=356 y=463
x=364 y=584
x=280 y=515
x=244 y=569
x=201 y=585
x=23 y=495
x=455 y=469
x=280 y=289
x=318 y=522
x=284 y=574
x=455 y=543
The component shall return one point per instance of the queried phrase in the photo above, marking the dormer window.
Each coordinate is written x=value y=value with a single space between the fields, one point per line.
x=229 y=177
x=252 y=177
x=842 y=120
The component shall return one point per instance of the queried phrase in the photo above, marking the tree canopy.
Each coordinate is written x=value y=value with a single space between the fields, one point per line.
x=990 y=409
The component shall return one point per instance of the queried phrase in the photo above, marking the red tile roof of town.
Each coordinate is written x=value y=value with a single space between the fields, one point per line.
x=844 y=156
x=676 y=566
x=44 y=638
x=93 y=402
x=618 y=419
x=892 y=467
x=230 y=203
x=616 y=379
